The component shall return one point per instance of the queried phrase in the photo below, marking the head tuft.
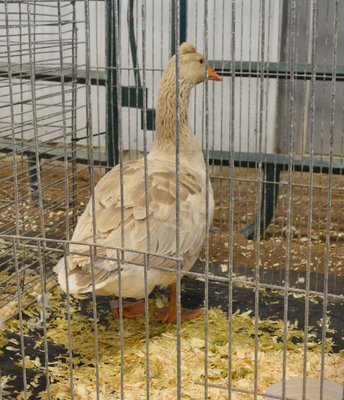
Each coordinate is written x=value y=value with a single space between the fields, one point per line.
x=186 y=48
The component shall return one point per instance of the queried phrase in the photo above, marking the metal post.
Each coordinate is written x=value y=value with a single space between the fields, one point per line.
x=112 y=128
x=183 y=4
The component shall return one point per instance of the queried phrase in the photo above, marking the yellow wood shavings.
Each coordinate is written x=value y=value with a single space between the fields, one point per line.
x=163 y=357
x=8 y=311
x=22 y=395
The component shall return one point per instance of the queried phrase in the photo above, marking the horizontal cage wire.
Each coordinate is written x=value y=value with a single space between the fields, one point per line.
x=171 y=220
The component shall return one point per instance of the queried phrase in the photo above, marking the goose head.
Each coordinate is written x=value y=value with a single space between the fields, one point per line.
x=193 y=68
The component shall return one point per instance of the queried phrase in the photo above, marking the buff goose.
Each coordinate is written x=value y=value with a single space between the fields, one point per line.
x=162 y=206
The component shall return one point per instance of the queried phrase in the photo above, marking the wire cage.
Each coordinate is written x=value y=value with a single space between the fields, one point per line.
x=79 y=87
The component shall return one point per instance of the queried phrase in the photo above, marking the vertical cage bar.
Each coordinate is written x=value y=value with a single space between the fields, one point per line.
x=112 y=128
x=95 y=321
x=32 y=63
x=292 y=60
x=74 y=117
x=231 y=200
x=146 y=181
x=206 y=266
x=260 y=118
x=132 y=43
x=329 y=195
x=43 y=295
x=41 y=254
x=310 y=193
x=89 y=133
x=120 y=254
x=64 y=123
x=179 y=38
x=15 y=244
x=175 y=28
x=69 y=324
x=13 y=128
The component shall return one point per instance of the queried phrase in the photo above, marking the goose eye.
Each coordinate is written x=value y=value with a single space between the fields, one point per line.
x=201 y=61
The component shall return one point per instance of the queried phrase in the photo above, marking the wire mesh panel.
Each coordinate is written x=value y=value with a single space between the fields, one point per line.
x=40 y=108
x=208 y=262
x=38 y=119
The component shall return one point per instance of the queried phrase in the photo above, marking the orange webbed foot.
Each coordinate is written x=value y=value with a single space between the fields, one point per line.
x=131 y=309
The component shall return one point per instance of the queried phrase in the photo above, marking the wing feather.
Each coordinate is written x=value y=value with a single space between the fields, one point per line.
x=162 y=219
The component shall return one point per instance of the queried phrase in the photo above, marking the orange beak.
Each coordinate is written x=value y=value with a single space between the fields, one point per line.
x=212 y=75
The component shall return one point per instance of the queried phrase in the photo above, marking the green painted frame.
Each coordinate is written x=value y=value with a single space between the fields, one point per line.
x=131 y=96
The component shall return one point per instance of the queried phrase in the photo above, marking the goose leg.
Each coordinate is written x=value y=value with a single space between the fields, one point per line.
x=169 y=314
x=131 y=309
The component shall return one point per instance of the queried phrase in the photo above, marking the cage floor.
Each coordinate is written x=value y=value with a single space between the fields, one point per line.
x=163 y=345
x=273 y=250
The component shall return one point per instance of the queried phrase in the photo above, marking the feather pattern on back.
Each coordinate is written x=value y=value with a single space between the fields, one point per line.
x=162 y=222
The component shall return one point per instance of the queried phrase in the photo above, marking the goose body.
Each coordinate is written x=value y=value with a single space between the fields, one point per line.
x=162 y=223
x=161 y=193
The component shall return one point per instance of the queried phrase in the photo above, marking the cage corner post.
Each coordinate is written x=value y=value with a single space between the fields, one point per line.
x=183 y=5
x=112 y=128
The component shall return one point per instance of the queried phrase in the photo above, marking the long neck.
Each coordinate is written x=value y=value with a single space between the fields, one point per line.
x=166 y=113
